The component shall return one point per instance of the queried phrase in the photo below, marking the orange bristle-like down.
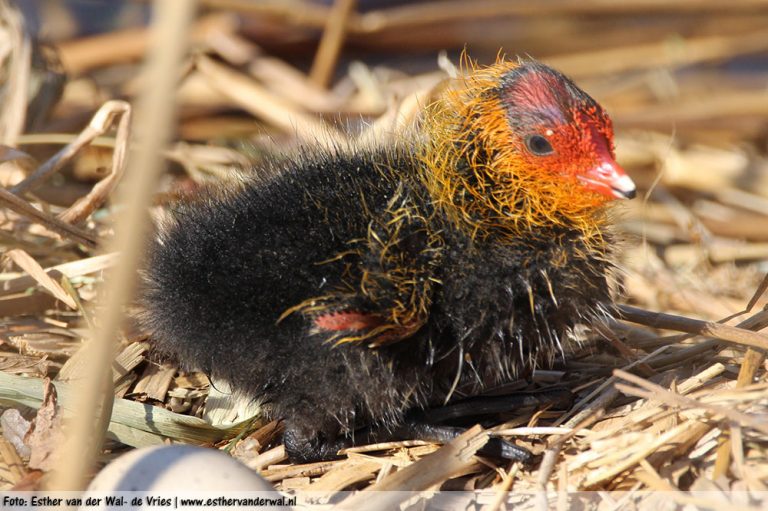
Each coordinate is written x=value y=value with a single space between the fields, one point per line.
x=501 y=191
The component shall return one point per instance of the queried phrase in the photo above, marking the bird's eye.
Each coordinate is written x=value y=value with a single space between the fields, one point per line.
x=538 y=145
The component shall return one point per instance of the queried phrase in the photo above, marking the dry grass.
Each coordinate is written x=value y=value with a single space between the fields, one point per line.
x=674 y=401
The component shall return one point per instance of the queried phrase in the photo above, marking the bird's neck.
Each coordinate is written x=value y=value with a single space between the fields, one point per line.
x=480 y=183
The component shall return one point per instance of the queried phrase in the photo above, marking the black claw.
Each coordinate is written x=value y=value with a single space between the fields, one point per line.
x=499 y=448
x=303 y=449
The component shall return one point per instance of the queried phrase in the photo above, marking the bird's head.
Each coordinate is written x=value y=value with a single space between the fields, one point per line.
x=519 y=143
x=561 y=132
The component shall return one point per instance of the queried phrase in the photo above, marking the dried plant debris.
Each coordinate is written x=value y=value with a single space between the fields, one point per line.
x=15 y=428
x=46 y=434
x=673 y=402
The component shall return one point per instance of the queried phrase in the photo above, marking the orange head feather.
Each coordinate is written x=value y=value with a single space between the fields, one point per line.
x=517 y=145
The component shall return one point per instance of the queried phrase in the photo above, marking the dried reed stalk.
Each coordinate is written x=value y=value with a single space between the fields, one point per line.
x=330 y=44
x=25 y=209
x=155 y=114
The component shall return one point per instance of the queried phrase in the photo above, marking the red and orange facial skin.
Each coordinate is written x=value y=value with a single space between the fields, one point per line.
x=546 y=107
x=532 y=149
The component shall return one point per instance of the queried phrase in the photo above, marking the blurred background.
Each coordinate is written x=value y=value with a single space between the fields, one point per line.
x=685 y=82
x=693 y=67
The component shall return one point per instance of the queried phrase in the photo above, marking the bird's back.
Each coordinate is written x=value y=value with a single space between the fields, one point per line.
x=234 y=261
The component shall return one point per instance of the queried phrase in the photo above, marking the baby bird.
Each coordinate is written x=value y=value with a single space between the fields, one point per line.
x=345 y=288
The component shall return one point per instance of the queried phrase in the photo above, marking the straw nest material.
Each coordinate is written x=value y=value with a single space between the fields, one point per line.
x=673 y=400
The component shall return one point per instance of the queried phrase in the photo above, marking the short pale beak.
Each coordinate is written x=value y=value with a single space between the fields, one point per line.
x=608 y=178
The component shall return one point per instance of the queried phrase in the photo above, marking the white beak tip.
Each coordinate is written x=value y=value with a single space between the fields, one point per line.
x=624 y=188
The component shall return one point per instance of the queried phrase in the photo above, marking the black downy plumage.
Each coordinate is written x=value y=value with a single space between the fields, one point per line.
x=345 y=288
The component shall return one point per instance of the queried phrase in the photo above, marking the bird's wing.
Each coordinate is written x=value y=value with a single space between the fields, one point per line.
x=387 y=294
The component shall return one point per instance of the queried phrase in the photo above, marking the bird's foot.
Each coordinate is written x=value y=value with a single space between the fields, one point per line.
x=310 y=446
x=494 y=448
x=303 y=448
x=424 y=425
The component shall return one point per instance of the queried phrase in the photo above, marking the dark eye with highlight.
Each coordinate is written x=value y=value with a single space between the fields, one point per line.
x=538 y=145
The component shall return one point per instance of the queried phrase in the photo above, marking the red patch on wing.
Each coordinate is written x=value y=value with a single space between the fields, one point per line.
x=347 y=320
